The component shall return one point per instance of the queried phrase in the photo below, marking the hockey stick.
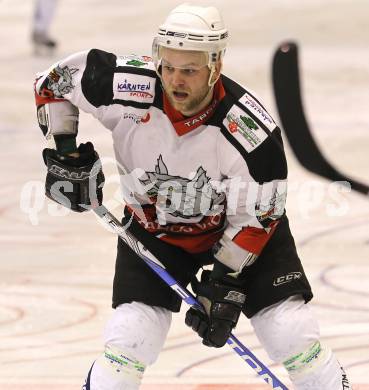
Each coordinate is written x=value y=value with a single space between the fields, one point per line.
x=287 y=92
x=184 y=294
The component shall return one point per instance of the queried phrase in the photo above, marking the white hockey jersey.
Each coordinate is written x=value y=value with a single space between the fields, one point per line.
x=191 y=180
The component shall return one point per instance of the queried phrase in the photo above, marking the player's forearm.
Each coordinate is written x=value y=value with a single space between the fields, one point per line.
x=59 y=120
x=58 y=100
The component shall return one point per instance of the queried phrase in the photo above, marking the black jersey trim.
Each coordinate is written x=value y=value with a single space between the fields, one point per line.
x=158 y=100
x=131 y=103
x=268 y=161
x=237 y=92
x=97 y=81
x=138 y=71
x=232 y=88
x=97 y=78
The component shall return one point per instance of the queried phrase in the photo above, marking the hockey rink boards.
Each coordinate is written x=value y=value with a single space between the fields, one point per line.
x=56 y=268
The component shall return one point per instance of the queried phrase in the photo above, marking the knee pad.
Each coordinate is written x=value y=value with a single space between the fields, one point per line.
x=138 y=330
x=133 y=338
x=289 y=333
x=286 y=328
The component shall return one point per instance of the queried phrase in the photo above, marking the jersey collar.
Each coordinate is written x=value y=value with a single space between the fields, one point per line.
x=184 y=125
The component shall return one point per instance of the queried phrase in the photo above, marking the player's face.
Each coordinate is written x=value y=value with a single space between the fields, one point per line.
x=185 y=76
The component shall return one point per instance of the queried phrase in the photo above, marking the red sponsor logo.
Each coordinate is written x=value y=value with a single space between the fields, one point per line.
x=140 y=94
x=232 y=127
x=146 y=118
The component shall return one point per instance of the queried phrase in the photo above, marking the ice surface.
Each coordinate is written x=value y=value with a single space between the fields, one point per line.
x=56 y=271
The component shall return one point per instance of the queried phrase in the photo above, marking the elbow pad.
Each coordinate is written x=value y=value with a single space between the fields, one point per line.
x=58 y=118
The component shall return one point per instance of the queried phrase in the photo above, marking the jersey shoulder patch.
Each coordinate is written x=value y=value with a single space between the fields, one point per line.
x=251 y=103
x=244 y=128
x=133 y=87
x=249 y=128
x=139 y=62
x=246 y=119
x=134 y=80
x=110 y=79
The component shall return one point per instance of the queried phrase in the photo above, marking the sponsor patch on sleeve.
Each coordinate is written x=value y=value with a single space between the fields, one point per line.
x=249 y=102
x=137 y=88
x=144 y=62
x=244 y=128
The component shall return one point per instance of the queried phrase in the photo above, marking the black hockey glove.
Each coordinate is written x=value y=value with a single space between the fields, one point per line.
x=74 y=182
x=223 y=301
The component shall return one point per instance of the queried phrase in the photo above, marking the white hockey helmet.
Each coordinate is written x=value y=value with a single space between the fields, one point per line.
x=190 y=27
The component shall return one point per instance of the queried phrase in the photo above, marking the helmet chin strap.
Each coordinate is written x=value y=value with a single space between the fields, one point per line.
x=212 y=67
x=212 y=71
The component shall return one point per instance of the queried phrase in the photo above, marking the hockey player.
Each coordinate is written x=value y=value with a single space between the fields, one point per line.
x=206 y=185
x=42 y=17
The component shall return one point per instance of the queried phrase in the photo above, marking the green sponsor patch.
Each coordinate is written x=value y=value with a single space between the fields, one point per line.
x=136 y=63
x=304 y=359
x=245 y=128
x=249 y=122
x=125 y=362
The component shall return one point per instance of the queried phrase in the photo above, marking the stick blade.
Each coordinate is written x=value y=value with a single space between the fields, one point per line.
x=288 y=97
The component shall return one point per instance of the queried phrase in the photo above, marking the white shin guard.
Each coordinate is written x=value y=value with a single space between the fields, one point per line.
x=133 y=339
x=290 y=334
